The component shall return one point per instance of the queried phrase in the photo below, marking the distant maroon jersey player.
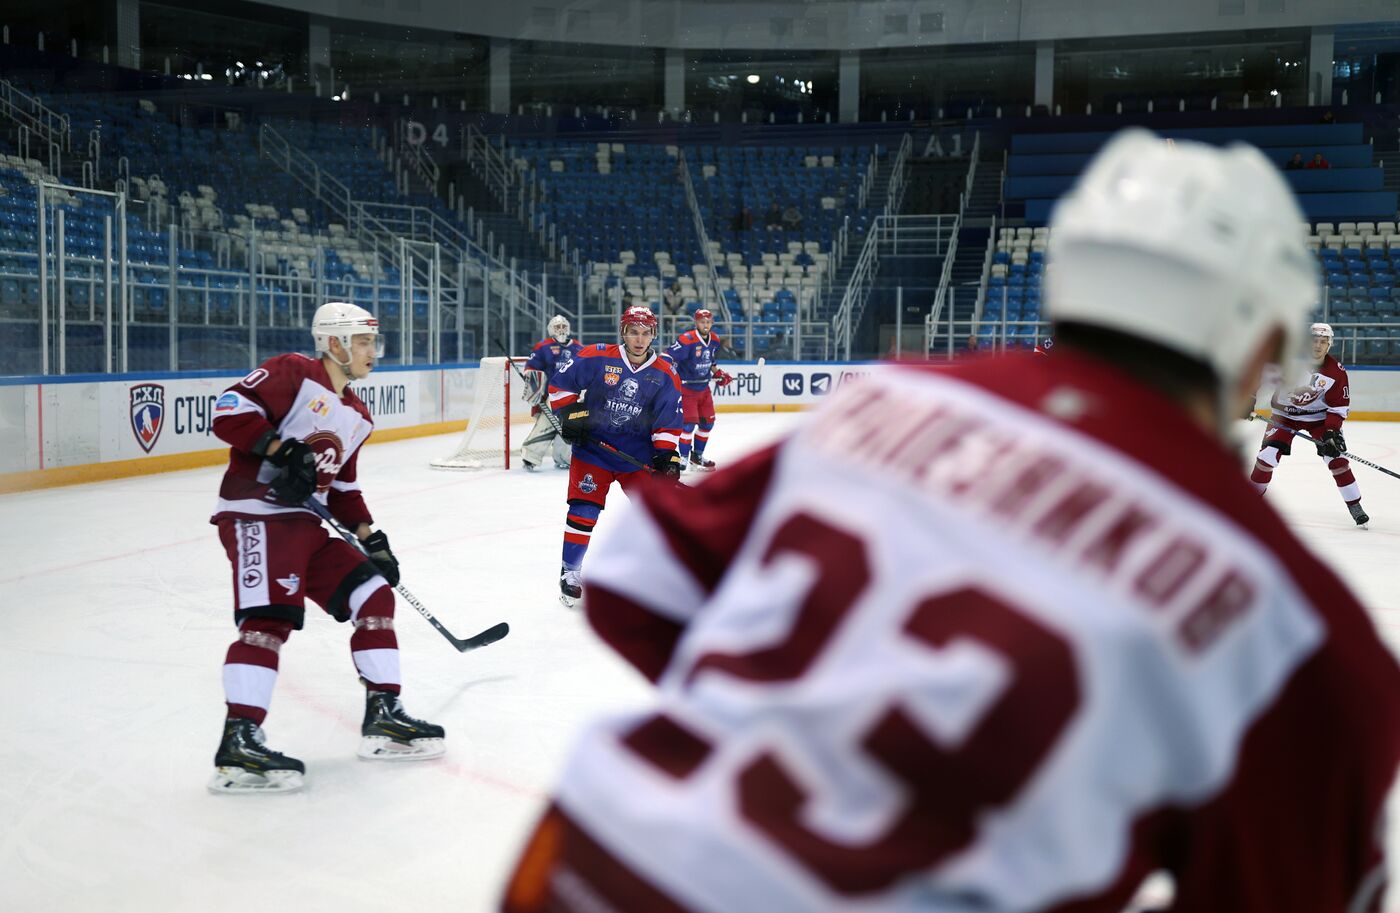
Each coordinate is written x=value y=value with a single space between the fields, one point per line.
x=294 y=429
x=1318 y=407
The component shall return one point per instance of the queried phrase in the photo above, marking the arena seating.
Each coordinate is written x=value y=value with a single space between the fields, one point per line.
x=1359 y=262
x=1041 y=166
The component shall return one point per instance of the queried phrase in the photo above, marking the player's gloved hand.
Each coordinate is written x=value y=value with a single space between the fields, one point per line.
x=296 y=472
x=573 y=424
x=666 y=463
x=723 y=378
x=1331 y=445
x=377 y=545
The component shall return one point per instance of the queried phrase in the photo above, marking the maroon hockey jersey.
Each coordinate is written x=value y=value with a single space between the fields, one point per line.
x=983 y=638
x=293 y=396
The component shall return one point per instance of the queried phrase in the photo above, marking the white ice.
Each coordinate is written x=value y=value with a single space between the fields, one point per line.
x=114 y=619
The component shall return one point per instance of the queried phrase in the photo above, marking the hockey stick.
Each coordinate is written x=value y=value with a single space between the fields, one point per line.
x=559 y=429
x=485 y=638
x=1312 y=440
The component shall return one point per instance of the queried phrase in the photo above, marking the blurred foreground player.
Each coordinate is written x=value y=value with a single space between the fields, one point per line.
x=613 y=396
x=1317 y=407
x=1005 y=637
x=693 y=354
x=551 y=353
x=295 y=429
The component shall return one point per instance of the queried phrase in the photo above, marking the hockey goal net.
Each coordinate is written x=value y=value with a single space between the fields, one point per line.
x=498 y=419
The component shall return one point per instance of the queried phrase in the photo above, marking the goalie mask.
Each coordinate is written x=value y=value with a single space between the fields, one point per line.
x=559 y=328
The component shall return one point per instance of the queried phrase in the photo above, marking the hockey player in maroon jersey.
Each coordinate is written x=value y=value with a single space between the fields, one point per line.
x=693 y=354
x=1318 y=407
x=613 y=400
x=551 y=353
x=295 y=428
x=1007 y=636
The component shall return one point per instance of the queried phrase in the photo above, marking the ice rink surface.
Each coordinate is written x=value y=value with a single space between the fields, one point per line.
x=116 y=615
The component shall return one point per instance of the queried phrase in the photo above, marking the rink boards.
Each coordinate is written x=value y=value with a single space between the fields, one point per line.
x=83 y=428
x=63 y=430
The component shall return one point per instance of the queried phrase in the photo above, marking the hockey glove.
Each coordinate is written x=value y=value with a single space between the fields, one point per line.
x=296 y=472
x=1331 y=445
x=666 y=463
x=573 y=424
x=377 y=545
x=723 y=378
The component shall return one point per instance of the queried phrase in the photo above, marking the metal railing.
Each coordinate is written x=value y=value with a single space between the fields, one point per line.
x=858 y=287
x=710 y=291
x=946 y=276
x=380 y=226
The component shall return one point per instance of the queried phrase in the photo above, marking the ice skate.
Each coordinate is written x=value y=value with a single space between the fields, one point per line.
x=390 y=734
x=561 y=464
x=244 y=764
x=700 y=464
x=529 y=467
x=570 y=586
x=1358 y=514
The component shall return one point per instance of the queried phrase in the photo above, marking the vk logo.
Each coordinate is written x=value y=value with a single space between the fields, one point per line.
x=792 y=384
x=821 y=384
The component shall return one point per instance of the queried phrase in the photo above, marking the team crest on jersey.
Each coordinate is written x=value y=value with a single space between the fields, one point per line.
x=330 y=456
x=586 y=484
x=611 y=375
x=319 y=406
x=628 y=388
x=147 y=414
x=1304 y=395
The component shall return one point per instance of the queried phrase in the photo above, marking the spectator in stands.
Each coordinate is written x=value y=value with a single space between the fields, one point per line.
x=792 y=218
x=742 y=221
x=973 y=344
x=773 y=220
x=1296 y=163
x=671 y=299
x=1318 y=162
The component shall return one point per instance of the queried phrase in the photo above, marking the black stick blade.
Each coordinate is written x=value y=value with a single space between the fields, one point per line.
x=484 y=639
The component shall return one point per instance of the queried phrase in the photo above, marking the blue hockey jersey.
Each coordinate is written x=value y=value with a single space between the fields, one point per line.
x=694 y=358
x=550 y=354
x=636 y=410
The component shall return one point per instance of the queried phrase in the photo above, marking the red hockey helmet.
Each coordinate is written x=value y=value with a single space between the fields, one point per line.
x=704 y=314
x=637 y=316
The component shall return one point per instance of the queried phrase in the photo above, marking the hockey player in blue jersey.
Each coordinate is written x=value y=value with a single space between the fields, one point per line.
x=613 y=396
x=550 y=354
x=693 y=355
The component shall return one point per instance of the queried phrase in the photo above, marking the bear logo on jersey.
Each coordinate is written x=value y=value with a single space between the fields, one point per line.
x=586 y=484
x=1304 y=395
x=147 y=414
x=330 y=453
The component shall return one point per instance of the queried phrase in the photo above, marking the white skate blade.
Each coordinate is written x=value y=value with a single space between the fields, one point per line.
x=238 y=780
x=383 y=748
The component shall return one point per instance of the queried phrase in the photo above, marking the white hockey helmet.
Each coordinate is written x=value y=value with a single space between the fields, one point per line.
x=1195 y=248
x=1321 y=329
x=343 y=320
x=558 y=327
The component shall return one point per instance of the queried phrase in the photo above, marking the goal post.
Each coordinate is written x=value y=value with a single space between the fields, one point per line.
x=497 y=421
